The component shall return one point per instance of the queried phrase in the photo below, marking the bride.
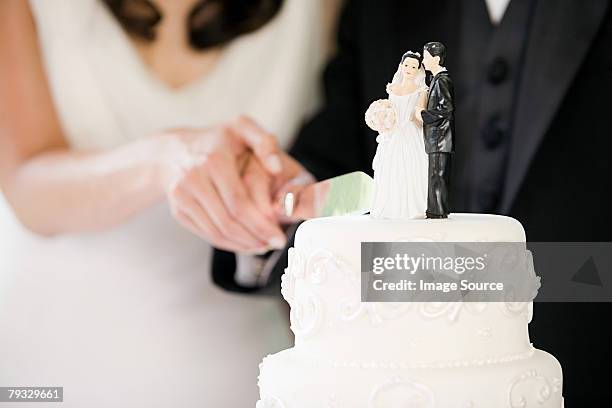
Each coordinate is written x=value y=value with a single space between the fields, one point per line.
x=400 y=164
x=118 y=151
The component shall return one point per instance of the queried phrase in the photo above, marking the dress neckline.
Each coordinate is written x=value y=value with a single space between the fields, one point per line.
x=149 y=75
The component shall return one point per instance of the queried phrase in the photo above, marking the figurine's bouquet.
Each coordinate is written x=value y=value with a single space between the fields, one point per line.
x=381 y=116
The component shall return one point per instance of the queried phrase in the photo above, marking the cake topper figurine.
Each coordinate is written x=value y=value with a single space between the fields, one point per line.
x=439 y=129
x=400 y=163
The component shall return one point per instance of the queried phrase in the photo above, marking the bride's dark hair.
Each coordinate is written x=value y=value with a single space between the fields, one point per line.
x=411 y=54
x=210 y=22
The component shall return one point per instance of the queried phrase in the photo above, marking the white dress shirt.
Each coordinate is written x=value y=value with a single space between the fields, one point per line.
x=496 y=9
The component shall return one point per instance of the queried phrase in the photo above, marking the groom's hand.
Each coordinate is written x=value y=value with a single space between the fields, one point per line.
x=268 y=191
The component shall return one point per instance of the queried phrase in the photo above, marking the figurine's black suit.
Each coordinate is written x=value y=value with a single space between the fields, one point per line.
x=439 y=134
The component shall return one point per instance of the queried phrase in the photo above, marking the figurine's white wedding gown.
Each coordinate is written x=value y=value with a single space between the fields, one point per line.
x=129 y=317
x=400 y=165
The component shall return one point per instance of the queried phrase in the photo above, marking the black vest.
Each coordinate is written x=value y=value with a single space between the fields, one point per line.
x=489 y=74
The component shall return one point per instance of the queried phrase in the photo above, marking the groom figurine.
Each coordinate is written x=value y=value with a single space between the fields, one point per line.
x=438 y=129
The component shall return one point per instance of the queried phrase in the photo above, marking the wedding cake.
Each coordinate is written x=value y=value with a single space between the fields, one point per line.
x=353 y=354
x=413 y=353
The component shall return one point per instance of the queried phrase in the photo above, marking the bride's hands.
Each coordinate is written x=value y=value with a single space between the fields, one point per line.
x=202 y=175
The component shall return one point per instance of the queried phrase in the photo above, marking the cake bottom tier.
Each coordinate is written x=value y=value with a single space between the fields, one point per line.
x=291 y=380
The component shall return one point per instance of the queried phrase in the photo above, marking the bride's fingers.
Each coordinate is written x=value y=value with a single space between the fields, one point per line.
x=189 y=214
x=218 y=242
x=209 y=200
x=258 y=185
x=261 y=142
x=187 y=222
x=240 y=206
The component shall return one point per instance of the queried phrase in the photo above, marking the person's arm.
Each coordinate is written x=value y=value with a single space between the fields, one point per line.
x=53 y=189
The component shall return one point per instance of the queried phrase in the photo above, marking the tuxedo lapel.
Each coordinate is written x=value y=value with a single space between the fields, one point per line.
x=560 y=35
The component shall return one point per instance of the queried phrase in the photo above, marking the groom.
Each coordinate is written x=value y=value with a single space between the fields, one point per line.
x=438 y=129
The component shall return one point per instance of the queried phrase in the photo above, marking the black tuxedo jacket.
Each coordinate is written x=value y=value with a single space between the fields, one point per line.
x=439 y=116
x=558 y=172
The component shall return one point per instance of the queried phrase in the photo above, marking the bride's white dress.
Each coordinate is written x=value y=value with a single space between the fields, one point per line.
x=129 y=317
x=400 y=165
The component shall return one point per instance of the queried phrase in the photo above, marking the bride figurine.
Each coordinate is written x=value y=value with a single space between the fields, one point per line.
x=400 y=163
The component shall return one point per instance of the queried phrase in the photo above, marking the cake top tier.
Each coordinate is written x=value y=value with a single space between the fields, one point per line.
x=323 y=288
x=335 y=232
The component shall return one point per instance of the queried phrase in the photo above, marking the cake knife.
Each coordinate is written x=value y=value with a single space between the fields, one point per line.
x=349 y=194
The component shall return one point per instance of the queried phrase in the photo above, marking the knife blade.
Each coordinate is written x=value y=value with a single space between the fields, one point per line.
x=349 y=194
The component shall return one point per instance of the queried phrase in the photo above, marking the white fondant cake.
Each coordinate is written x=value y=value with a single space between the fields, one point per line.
x=353 y=354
